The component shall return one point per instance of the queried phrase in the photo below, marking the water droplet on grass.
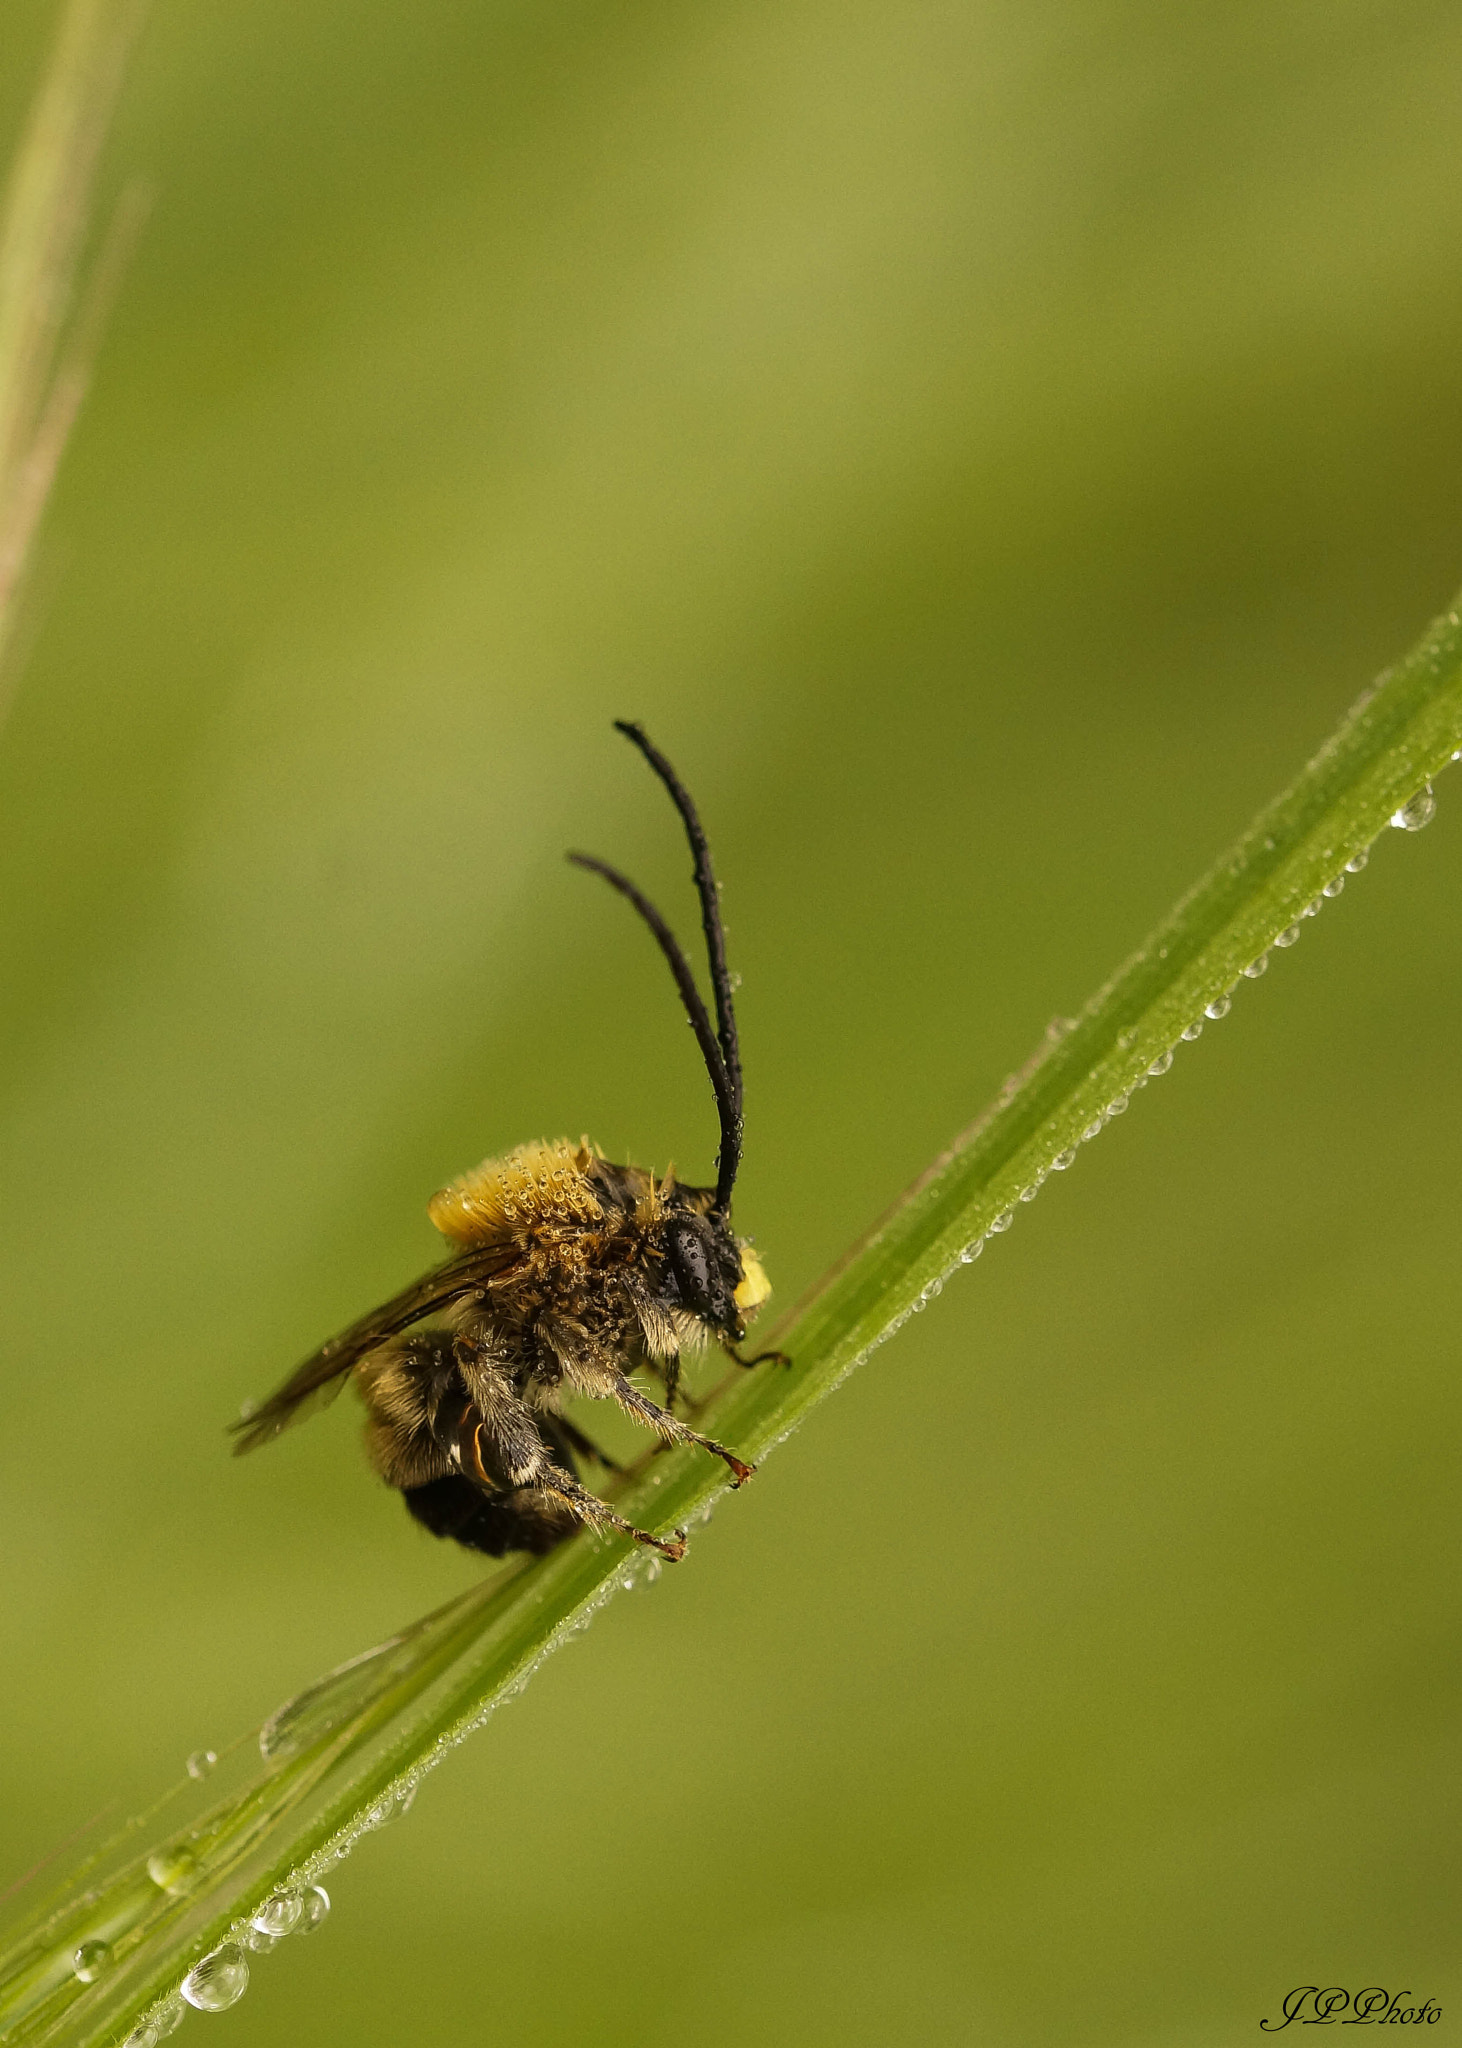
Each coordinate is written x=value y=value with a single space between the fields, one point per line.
x=201 y=1762
x=219 y=1981
x=317 y=1908
x=1003 y=1222
x=972 y=1251
x=1194 y=1030
x=390 y=1808
x=1288 y=936
x=279 y=1916
x=1064 y=1159
x=1256 y=967
x=1161 y=1064
x=91 y=1959
x=1417 y=811
x=1357 y=861
x=1334 y=886
x=1219 y=1007
x=173 y=1870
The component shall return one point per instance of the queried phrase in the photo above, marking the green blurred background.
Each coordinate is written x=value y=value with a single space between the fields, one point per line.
x=989 y=446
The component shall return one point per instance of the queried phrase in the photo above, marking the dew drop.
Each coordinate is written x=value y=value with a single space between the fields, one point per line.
x=173 y=1870
x=1029 y=1194
x=1002 y=1222
x=1416 y=812
x=972 y=1251
x=201 y=1762
x=219 y=1981
x=1194 y=1030
x=1334 y=886
x=261 y=1944
x=1312 y=909
x=1093 y=1130
x=168 y=2018
x=1064 y=1159
x=90 y=1960
x=1117 y=1105
x=279 y=1916
x=1288 y=936
x=1219 y=1007
x=1161 y=1064
x=390 y=1808
x=1256 y=967
x=1357 y=861
x=317 y=1908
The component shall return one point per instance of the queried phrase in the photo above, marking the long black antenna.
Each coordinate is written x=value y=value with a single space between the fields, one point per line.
x=719 y=1048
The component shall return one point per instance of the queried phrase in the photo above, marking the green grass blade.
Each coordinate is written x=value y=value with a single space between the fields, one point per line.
x=347 y=1755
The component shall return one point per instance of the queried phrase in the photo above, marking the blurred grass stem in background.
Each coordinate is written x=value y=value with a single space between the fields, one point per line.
x=51 y=311
x=345 y=1757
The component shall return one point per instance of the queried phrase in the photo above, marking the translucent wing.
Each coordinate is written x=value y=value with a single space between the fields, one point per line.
x=324 y=1372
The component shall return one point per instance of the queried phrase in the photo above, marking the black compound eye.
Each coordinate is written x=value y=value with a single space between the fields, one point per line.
x=691 y=1268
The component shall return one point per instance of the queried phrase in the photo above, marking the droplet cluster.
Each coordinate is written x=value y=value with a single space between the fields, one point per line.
x=220 y=1979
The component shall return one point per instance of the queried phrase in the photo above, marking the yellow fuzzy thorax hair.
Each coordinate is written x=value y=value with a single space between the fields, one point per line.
x=540 y=1183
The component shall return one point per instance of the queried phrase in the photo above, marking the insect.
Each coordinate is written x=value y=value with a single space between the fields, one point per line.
x=566 y=1274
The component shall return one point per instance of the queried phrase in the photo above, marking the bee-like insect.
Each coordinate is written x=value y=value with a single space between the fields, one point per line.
x=567 y=1273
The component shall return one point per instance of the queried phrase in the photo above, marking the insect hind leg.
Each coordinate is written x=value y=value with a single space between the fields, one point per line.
x=507 y=1452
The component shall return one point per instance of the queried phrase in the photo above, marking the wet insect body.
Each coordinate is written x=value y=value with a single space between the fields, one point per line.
x=567 y=1273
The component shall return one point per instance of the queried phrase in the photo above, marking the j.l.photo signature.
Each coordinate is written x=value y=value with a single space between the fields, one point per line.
x=1332 y=2005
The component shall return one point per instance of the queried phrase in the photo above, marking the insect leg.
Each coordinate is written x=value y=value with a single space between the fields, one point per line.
x=670 y=1369
x=671 y=1428
x=761 y=1358
x=508 y=1451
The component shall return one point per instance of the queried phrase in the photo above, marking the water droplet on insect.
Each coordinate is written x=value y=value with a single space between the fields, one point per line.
x=1219 y=1007
x=279 y=1916
x=201 y=1762
x=1357 y=861
x=219 y=1981
x=1256 y=967
x=317 y=1908
x=1003 y=1222
x=1194 y=1030
x=173 y=1870
x=1161 y=1064
x=1288 y=936
x=1416 y=812
x=90 y=1960
x=1064 y=1159
x=1334 y=886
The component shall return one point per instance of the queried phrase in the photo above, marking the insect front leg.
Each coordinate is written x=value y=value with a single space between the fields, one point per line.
x=671 y=1428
